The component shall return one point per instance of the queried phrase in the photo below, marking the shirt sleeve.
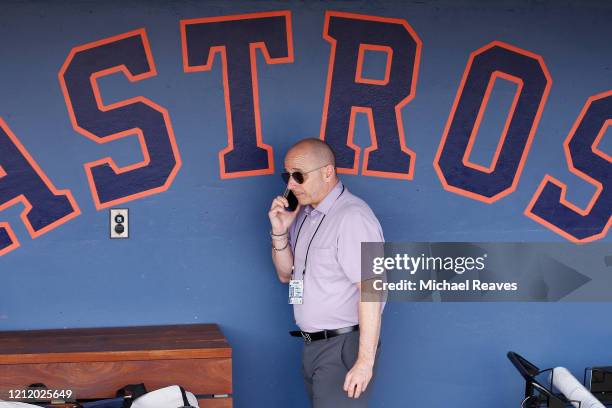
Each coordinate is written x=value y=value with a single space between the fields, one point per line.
x=358 y=225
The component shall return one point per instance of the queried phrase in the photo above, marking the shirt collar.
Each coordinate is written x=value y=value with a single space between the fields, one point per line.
x=326 y=204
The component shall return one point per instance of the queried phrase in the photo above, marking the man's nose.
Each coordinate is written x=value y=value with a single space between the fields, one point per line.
x=292 y=183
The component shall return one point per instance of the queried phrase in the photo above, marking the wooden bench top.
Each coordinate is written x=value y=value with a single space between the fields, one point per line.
x=113 y=344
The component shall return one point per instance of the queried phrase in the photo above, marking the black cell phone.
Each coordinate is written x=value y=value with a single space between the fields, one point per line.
x=293 y=201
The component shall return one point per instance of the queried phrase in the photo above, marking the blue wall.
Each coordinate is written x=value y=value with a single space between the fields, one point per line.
x=199 y=252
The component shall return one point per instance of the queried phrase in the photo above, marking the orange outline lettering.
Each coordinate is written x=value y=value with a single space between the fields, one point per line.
x=485 y=101
x=575 y=171
x=366 y=110
x=130 y=132
x=26 y=203
x=359 y=72
x=253 y=58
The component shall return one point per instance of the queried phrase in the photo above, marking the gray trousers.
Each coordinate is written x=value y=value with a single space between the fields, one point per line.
x=324 y=366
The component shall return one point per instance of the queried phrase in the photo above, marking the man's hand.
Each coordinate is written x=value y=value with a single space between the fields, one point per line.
x=280 y=218
x=358 y=378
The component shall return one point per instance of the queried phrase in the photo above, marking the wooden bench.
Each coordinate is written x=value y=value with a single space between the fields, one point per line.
x=96 y=362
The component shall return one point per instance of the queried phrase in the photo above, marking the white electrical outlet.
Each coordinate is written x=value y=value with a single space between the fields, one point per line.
x=119 y=225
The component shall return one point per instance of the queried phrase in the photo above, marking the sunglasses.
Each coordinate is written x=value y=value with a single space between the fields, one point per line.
x=298 y=176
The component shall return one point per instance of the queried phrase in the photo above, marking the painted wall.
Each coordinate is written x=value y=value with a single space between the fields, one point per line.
x=199 y=246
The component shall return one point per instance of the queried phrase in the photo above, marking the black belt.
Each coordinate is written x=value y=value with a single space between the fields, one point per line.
x=325 y=334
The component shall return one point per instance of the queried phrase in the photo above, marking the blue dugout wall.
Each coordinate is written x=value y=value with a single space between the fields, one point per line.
x=408 y=78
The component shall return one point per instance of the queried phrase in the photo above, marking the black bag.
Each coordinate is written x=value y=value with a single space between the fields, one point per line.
x=124 y=397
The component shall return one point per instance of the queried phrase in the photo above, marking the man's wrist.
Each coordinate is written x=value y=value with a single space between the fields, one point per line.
x=365 y=360
x=282 y=248
x=277 y=233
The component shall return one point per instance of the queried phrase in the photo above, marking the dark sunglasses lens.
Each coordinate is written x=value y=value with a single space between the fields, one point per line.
x=298 y=177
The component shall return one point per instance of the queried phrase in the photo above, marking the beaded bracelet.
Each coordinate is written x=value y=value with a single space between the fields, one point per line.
x=280 y=249
x=278 y=235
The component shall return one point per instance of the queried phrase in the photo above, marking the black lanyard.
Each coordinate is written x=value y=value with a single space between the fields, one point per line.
x=313 y=235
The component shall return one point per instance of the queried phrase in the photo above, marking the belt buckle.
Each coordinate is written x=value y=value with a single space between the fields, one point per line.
x=306 y=337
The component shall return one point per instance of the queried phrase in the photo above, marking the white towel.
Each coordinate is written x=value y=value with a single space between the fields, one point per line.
x=169 y=397
x=573 y=390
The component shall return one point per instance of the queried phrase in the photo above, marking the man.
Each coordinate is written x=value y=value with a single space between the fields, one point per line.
x=316 y=249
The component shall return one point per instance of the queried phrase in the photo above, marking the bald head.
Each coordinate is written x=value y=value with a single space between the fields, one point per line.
x=315 y=150
x=315 y=160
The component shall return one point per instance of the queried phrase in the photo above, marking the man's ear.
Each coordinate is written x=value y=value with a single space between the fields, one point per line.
x=329 y=172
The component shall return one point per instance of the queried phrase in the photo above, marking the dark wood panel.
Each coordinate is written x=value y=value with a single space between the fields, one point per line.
x=102 y=379
x=115 y=356
x=215 y=402
x=113 y=344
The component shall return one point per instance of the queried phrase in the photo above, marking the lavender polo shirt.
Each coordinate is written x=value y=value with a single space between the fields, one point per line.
x=331 y=296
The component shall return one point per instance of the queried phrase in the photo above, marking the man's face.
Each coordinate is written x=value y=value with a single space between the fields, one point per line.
x=313 y=187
